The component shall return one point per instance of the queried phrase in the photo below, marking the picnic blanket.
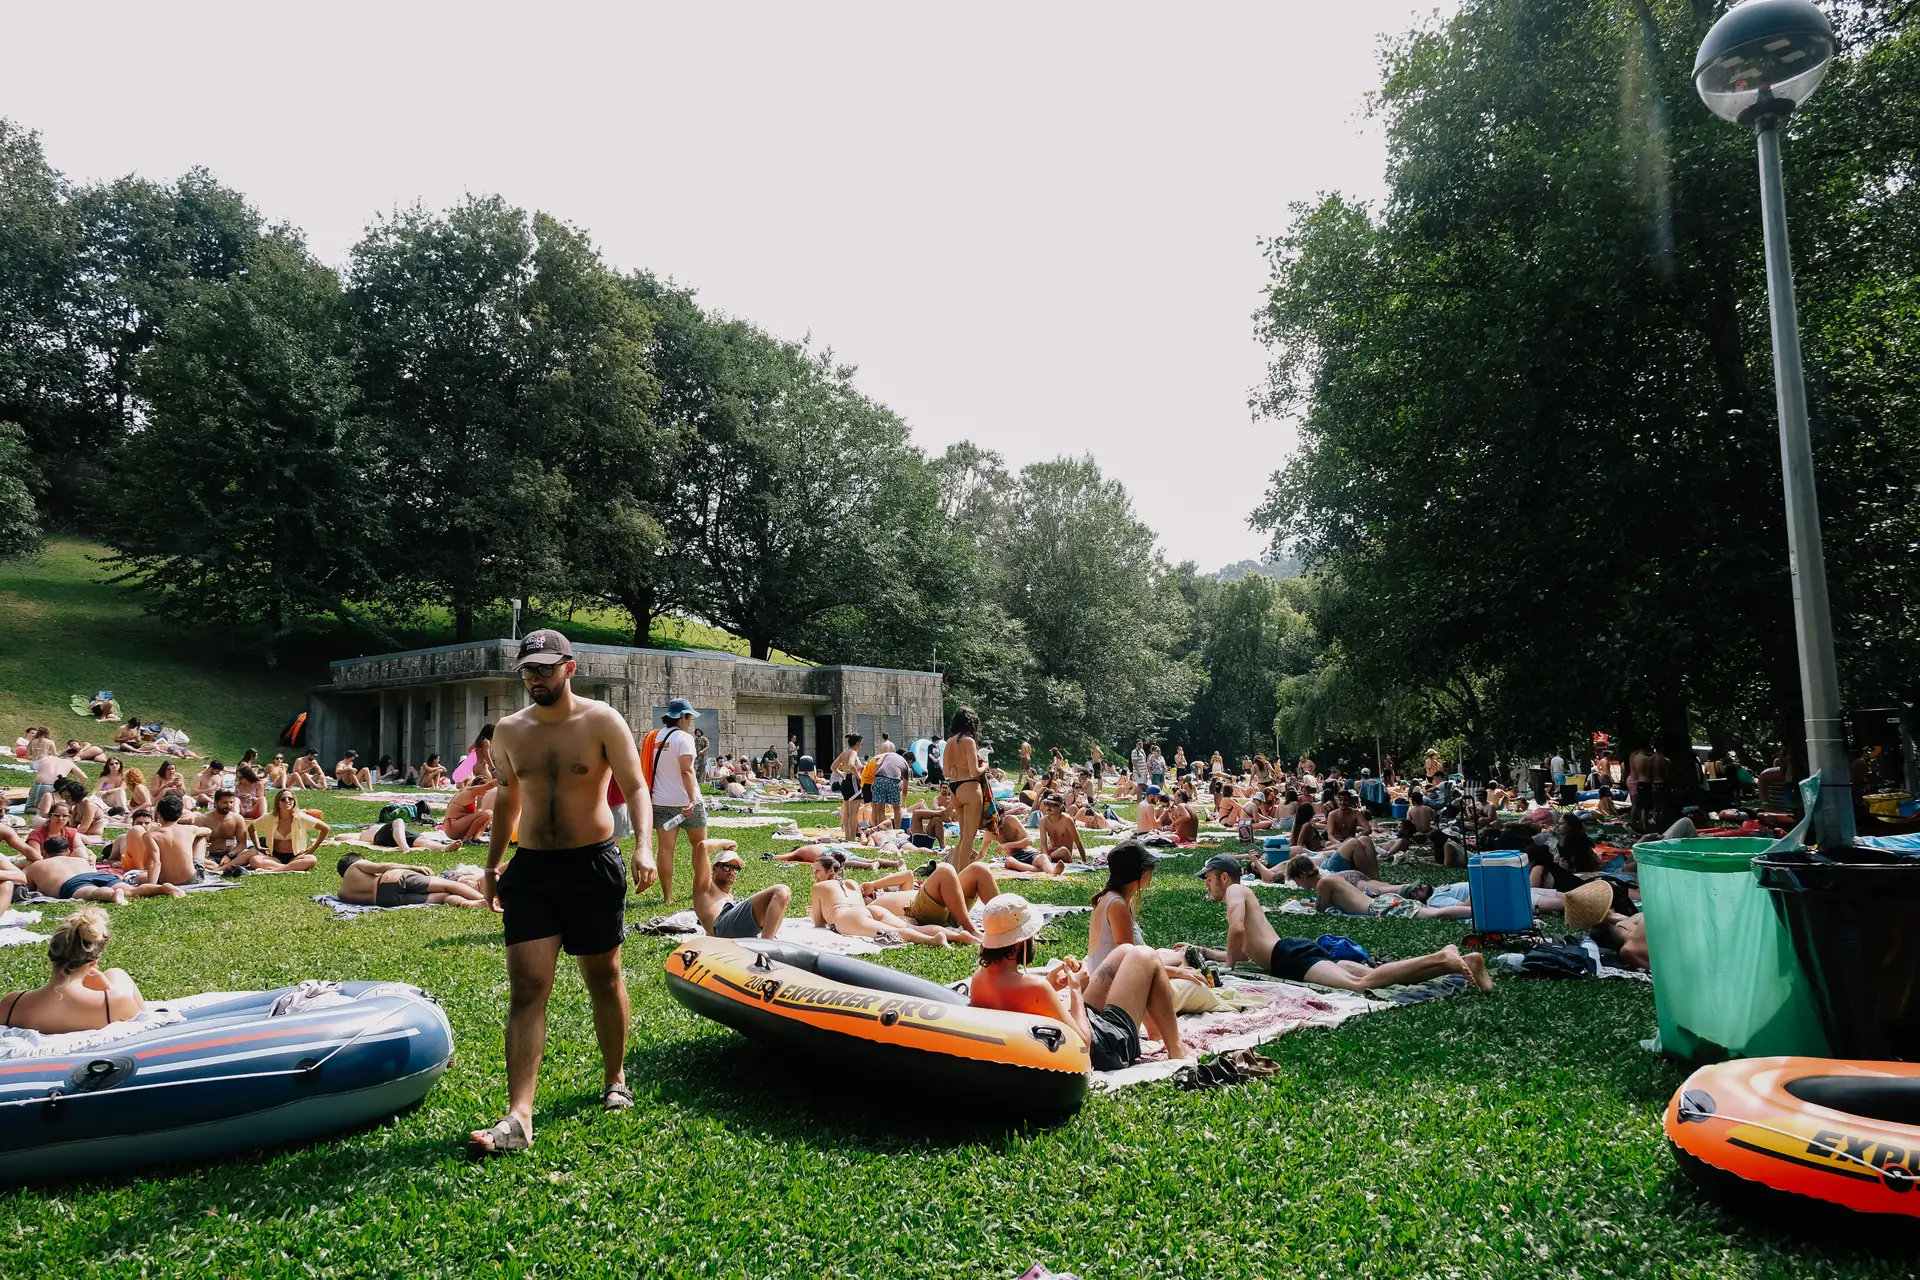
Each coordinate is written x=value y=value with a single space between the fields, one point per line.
x=1290 y=1006
x=1073 y=869
x=388 y=797
x=13 y=937
x=353 y=910
x=25 y=895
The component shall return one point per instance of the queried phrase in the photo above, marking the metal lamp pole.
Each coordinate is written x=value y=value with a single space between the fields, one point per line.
x=1812 y=616
x=1759 y=62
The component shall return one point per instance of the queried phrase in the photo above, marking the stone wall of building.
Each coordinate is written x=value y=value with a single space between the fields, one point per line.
x=436 y=699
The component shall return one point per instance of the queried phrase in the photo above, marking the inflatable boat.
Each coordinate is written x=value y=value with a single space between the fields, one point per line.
x=1840 y=1131
x=880 y=1022
x=225 y=1074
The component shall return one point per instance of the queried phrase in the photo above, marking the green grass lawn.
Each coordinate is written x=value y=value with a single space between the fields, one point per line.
x=1513 y=1135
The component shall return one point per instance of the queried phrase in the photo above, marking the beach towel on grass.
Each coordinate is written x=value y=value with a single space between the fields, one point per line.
x=15 y=937
x=353 y=910
x=793 y=929
x=11 y=919
x=1291 y=1006
x=24 y=895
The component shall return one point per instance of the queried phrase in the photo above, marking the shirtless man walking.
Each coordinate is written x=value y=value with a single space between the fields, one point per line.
x=565 y=888
x=1642 y=766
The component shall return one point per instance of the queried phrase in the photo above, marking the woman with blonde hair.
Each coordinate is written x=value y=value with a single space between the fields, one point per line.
x=138 y=797
x=80 y=996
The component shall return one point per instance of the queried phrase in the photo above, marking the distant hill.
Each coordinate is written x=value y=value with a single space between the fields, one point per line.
x=1287 y=566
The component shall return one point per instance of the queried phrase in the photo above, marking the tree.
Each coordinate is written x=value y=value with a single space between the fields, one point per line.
x=19 y=476
x=247 y=498
x=1252 y=632
x=43 y=368
x=440 y=316
x=1098 y=605
x=1542 y=364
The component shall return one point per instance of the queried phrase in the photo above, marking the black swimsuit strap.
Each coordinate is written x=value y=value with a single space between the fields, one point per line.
x=14 y=1005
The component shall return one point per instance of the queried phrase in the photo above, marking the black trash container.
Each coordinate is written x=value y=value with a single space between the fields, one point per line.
x=1855 y=924
x=1539 y=778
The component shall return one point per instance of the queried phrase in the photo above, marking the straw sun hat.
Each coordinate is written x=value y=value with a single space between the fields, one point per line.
x=1588 y=905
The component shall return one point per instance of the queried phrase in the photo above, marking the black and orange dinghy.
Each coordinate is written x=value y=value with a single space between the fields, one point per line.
x=884 y=1023
x=1840 y=1131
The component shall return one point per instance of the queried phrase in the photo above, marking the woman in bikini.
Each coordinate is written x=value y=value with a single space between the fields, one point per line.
x=960 y=758
x=844 y=777
x=112 y=787
x=277 y=772
x=838 y=906
x=288 y=836
x=482 y=752
x=247 y=786
x=433 y=773
x=80 y=996
x=469 y=811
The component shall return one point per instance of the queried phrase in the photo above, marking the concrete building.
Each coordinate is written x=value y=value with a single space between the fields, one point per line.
x=435 y=700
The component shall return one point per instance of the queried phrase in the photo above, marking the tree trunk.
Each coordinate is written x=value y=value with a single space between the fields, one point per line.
x=759 y=646
x=640 y=607
x=462 y=623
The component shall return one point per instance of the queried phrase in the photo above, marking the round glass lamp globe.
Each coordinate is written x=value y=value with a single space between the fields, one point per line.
x=1764 y=57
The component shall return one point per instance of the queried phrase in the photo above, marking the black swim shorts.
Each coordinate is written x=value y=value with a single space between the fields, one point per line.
x=578 y=895
x=409 y=889
x=1116 y=1041
x=1292 y=957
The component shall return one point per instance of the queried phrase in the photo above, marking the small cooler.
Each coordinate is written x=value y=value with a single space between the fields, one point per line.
x=1276 y=849
x=1502 y=898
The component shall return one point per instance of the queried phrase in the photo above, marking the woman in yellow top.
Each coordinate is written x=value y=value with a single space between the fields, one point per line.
x=287 y=836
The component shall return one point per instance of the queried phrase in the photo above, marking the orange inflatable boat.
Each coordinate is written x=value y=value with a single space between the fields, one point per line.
x=1841 y=1131
x=883 y=1023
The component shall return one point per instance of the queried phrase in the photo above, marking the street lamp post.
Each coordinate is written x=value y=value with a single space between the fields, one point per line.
x=1760 y=61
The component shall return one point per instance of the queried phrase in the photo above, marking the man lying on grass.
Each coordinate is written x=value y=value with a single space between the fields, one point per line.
x=723 y=915
x=1107 y=1006
x=1351 y=893
x=1251 y=937
x=59 y=874
x=398 y=884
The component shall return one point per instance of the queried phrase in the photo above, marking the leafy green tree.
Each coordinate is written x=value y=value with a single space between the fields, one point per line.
x=1537 y=439
x=1098 y=605
x=247 y=498
x=19 y=476
x=43 y=367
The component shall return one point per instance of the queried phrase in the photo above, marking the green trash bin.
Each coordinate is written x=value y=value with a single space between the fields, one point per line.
x=1726 y=983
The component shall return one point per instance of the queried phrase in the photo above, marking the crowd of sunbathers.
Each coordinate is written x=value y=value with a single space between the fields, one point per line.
x=1313 y=833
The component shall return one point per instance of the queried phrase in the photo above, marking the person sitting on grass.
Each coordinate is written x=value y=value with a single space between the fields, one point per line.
x=433 y=774
x=469 y=812
x=852 y=862
x=128 y=736
x=1356 y=853
x=12 y=878
x=89 y=815
x=838 y=906
x=307 y=773
x=179 y=847
x=285 y=839
x=61 y=874
x=133 y=843
x=723 y=915
x=249 y=788
x=398 y=884
x=1010 y=836
x=229 y=837
x=47 y=770
x=944 y=897
x=58 y=824
x=80 y=996
x=209 y=780
x=349 y=776
x=138 y=795
x=168 y=780
x=929 y=818
x=1107 y=1004
x=1059 y=842
x=1182 y=821
x=1250 y=936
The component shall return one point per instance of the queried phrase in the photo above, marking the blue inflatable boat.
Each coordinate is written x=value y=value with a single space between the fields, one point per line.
x=230 y=1076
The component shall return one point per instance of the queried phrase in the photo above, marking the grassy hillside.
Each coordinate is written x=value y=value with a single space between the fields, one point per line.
x=69 y=631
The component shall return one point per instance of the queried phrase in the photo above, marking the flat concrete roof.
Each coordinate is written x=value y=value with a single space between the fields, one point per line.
x=696 y=655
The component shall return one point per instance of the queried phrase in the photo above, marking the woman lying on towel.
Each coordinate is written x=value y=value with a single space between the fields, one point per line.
x=396 y=884
x=80 y=996
x=812 y=852
x=838 y=905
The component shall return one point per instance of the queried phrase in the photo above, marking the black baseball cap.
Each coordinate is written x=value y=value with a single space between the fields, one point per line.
x=543 y=646
x=1222 y=862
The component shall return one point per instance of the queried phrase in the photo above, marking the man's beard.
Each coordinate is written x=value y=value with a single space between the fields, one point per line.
x=545 y=696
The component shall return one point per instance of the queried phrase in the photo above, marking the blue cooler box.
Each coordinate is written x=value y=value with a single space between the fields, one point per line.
x=1502 y=898
x=1400 y=808
x=1277 y=850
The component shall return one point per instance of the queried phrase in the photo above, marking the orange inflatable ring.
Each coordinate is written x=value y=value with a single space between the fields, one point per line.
x=1840 y=1131
x=879 y=1021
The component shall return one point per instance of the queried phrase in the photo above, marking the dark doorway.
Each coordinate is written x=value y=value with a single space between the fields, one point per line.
x=797 y=730
x=826 y=746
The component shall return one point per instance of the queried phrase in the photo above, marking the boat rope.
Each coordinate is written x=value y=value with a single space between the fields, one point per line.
x=1687 y=1114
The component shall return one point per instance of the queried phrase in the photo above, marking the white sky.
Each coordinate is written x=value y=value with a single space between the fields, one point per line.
x=1030 y=225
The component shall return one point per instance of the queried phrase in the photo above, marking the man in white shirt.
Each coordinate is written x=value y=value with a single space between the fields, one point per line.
x=1558 y=768
x=1138 y=762
x=676 y=793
